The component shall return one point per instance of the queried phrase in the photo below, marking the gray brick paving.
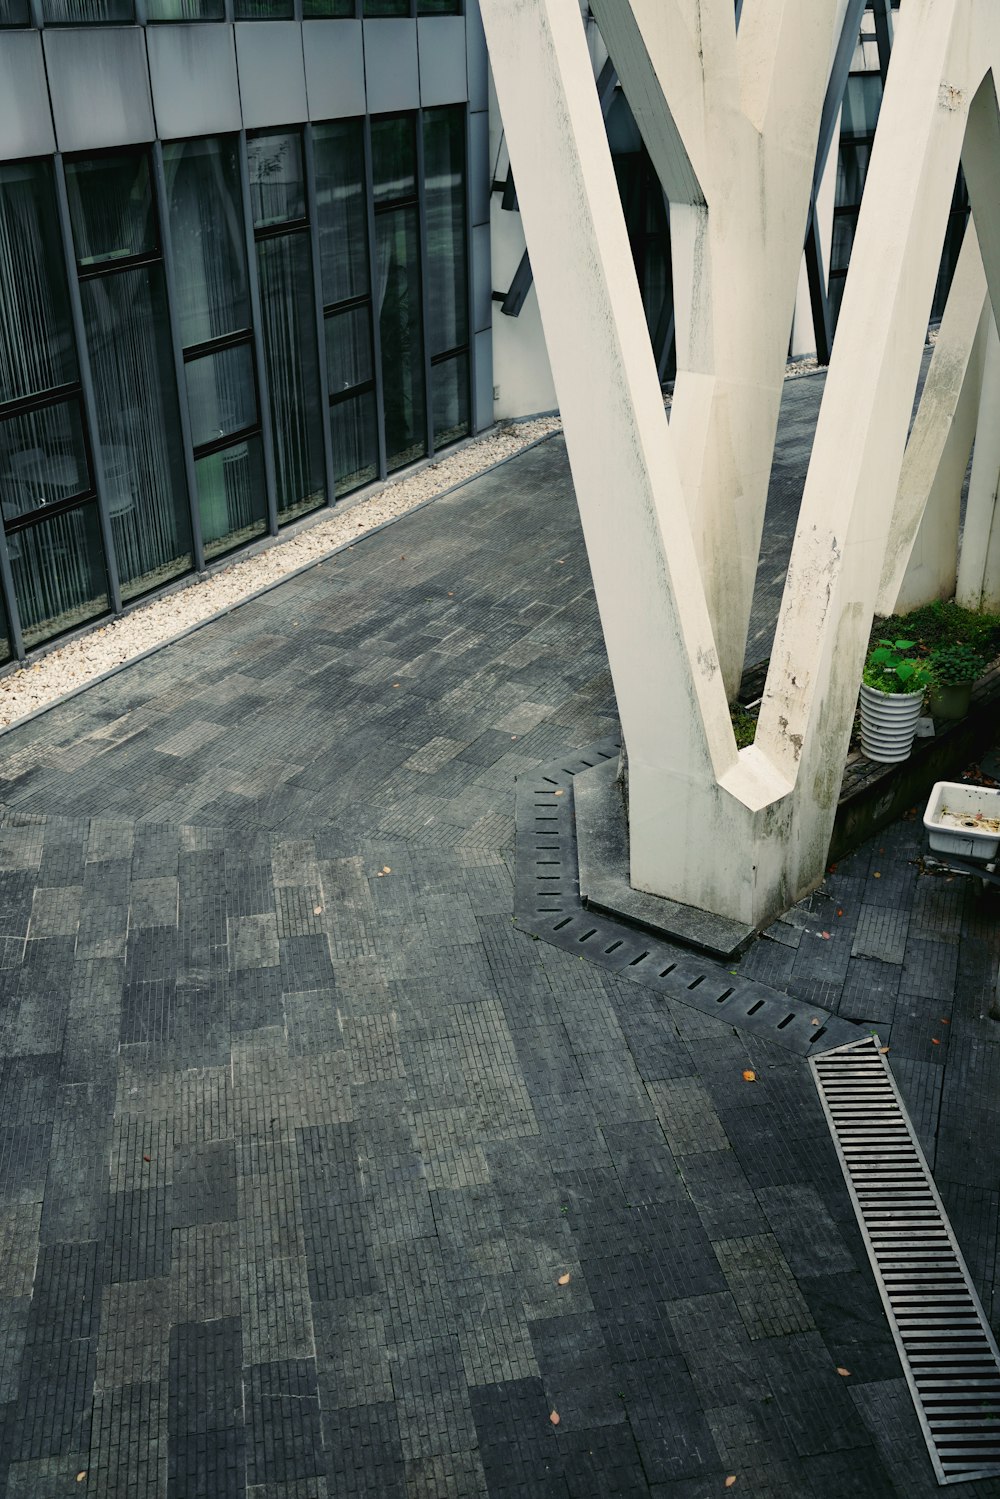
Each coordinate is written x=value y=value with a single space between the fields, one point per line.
x=318 y=1178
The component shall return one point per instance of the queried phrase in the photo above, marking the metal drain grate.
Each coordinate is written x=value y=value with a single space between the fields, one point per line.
x=948 y=1351
x=548 y=904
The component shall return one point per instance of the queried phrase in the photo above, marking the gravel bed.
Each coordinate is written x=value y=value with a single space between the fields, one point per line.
x=91 y=655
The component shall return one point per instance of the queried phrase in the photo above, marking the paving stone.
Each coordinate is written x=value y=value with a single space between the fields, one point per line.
x=881 y=933
x=284 y=1439
x=689 y=1119
x=128 y=1447
x=205 y=1380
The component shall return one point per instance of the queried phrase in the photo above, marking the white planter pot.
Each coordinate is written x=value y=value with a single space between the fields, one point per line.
x=888 y=723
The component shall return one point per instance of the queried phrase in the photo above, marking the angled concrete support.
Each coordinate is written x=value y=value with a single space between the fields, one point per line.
x=979 y=565
x=746 y=833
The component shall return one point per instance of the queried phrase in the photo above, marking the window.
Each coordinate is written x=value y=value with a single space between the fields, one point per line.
x=80 y=12
x=264 y=10
x=387 y=7
x=336 y=8
x=284 y=265
x=47 y=495
x=204 y=203
x=185 y=10
x=439 y=7
x=398 y=287
x=447 y=271
x=342 y=211
x=119 y=262
x=14 y=13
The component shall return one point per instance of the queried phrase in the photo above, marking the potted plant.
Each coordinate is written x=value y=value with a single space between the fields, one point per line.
x=892 y=692
x=953 y=669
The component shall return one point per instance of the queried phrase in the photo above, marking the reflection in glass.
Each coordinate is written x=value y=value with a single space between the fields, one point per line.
x=231 y=496
x=398 y=293
x=387 y=7
x=264 y=10
x=221 y=396
x=439 y=7
x=292 y=362
x=42 y=458
x=341 y=8
x=444 y=188
x=59 y=577
x=394 y=157
x=12 y=13
x=185 y=10
x=206 y=233
x=137 y=416
x=56 y=11
x=348 y=349
x=4 y=634
x=111 y=206
x=36 y=340
x=277 y=178
x=450 y=396
x=341 y=211
x=355 y=442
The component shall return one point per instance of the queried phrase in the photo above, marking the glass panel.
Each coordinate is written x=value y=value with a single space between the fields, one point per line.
x=387 y=7
x=277 y=178
x=439 y=7
x=394 y=157
x=292 y=358
x=340 y=209
x=328 y=8
x=444 y=189
x=129 y=341
x=221 y=396
x=355 y=442
x=852 y=167
x=4 y=634
x=12 y=13
x=450 y=392
x=231 y=496
x=843 y=239
x=862 y=102
x=264 y=10
x=185 y=10
x=207 y=236
x=59 y=575
x=348 y=349
x=75 y=11
x=42 y=458
x=398 y=270
x=111 y=205
x=36 y=339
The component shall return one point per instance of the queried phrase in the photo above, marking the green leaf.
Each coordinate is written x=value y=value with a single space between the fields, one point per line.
x=904 y=645
x=905 y=670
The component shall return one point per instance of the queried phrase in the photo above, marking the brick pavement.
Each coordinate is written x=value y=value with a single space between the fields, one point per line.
x=318 y=1178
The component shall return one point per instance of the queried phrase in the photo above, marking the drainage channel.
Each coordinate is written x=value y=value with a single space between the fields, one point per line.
x=947 y=1349
x=548 y=905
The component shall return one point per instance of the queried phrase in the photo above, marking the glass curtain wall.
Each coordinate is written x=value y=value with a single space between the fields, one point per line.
x=284 y=265
x=82 y=12
x=47 y=494
x=120 y=266
x=398 y=287
x=447 y=271
x=204 y=203
x=185 y=10
x=342 y=212
x=15 y=13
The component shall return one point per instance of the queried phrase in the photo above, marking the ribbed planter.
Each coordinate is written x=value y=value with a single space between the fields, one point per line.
x=888 y=723
x=950 y=702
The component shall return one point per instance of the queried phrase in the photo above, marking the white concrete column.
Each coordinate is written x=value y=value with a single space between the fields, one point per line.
x=979 y=565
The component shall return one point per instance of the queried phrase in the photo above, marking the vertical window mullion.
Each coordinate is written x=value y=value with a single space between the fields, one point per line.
x=87 y=385
x=383 y=466
x=15 y=636
x=470 y=290
x=163 y=214
x=263 y=389
x=425 y=310
x=312 y=211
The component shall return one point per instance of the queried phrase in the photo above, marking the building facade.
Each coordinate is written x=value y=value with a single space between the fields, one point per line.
x=244 y=270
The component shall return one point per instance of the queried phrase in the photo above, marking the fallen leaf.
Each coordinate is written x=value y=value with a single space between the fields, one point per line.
x=935 y=1041
x=554 y=1418
x=945 y=1022
x=730 y=1480
x=844 y=1373
x=81 y=1476
x=749 y=1076
x=825 y=936
x=840 y=911
x=564 y=1279
x=560 y=793
x=395 y=684
x=145 y=1157
x=317 y=910
x=386 y=869
x=814 y=1022
x=876 y=875
x=451 y=595
x=882 y=1050
x=379 y=876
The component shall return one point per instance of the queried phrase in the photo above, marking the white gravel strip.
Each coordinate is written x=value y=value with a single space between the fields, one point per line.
x=81 y=660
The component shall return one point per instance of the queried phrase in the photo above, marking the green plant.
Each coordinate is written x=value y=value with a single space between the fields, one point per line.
x=940 y=623
x=744 y=725
x=890 y=668
x=953 y=665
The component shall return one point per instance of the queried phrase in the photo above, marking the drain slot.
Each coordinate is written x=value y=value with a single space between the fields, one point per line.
x=945 y=1343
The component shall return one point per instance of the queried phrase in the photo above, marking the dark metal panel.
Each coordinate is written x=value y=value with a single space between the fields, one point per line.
x=271 y=73
x=25 y=119
x=99 y=85
x=424 y=291
x=392 y=73
x=441 y=56
x=192 y=70
x=335 y=69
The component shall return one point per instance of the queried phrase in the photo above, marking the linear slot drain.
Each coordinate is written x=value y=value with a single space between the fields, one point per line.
x=946 y=1346
x=548 y=904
